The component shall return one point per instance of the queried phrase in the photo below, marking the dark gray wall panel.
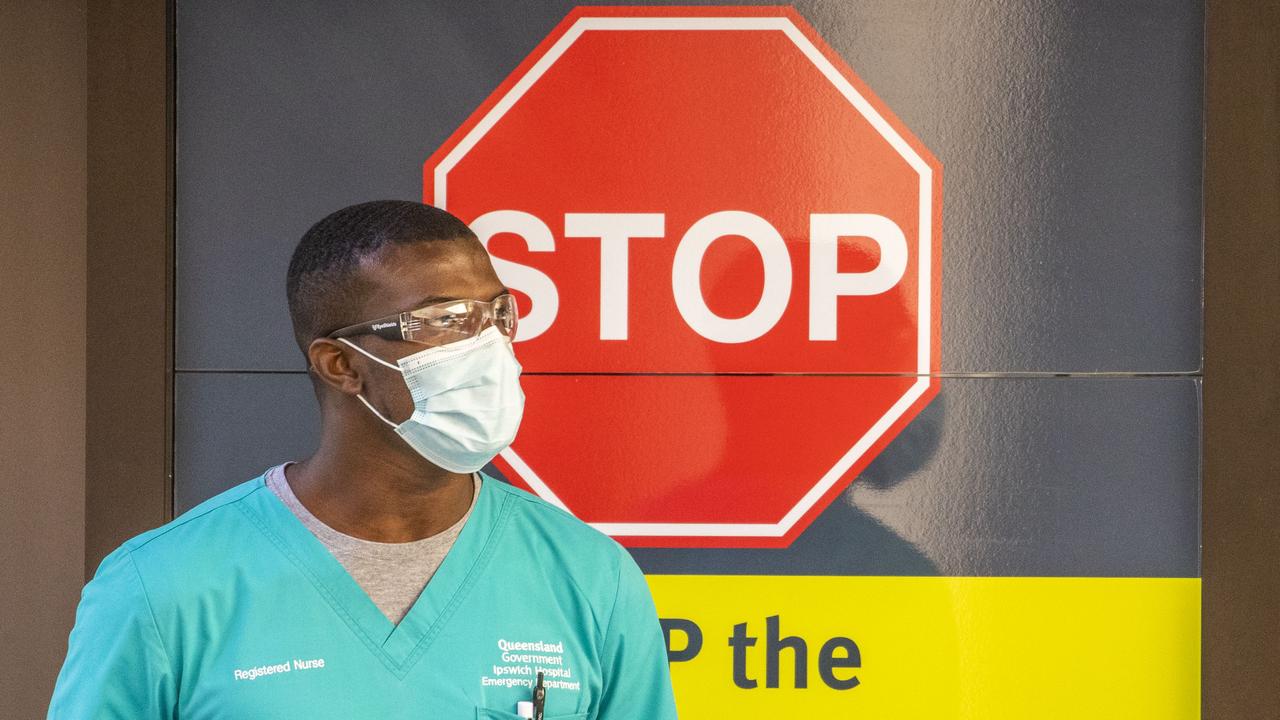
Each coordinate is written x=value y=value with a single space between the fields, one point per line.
x=1070 y=135
x=1011 y=476
x=229 y=427
x=998 y=476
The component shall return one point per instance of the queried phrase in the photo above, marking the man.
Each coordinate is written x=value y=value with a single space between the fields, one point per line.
x=383 y=577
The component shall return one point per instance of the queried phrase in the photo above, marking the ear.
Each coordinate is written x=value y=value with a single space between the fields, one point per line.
x=330 y=363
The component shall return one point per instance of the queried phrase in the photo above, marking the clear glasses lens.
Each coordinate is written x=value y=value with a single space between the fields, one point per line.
x=452 y=321
x=505 y=315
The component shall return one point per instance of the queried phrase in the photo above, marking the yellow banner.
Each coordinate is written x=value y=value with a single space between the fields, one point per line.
x=932 y=648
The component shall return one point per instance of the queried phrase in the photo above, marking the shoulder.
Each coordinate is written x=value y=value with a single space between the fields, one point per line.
x=589 y=556
x=190 y=547
x=154 y=570
x=553 y=524
x=208 y=518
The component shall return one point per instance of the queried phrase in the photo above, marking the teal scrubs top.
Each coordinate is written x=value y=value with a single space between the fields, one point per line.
x=235 y=611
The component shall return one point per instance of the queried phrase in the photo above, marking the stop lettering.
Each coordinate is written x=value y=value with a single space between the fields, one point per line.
x=614 y=231
x=726 y=252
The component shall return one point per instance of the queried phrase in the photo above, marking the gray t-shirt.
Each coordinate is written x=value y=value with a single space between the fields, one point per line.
x=393 y=575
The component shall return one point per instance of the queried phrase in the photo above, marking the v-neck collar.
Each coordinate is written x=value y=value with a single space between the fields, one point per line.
x=398 y=646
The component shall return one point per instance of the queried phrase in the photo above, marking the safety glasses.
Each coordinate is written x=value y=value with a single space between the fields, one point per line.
x=441 y=323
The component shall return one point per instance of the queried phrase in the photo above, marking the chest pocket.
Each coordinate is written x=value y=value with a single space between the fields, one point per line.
x=490 y=714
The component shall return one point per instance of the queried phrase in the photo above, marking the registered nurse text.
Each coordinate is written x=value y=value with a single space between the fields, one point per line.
x=254 y=673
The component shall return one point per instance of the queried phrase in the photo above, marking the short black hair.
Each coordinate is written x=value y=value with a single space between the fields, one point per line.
x=323 y=285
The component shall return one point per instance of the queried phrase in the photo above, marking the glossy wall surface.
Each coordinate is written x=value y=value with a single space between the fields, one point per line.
x=1065 y=438
x=1070 y=138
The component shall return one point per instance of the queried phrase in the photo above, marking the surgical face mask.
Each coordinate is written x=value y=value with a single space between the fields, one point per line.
x=467 y=401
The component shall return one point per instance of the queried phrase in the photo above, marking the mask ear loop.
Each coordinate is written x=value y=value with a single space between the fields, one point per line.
x=367 y=354
x=359 y=396
x=375 y=412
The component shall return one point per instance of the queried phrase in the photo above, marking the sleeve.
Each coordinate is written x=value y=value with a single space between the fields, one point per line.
x=117 y=667
x=637 y=678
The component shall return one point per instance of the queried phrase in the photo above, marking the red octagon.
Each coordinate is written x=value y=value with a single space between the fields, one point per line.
x=727 y=253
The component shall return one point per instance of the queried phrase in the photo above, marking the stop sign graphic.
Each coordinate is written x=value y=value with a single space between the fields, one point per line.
x=726 y=254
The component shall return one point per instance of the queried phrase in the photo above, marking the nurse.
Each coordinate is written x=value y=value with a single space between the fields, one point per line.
x=385 y=576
